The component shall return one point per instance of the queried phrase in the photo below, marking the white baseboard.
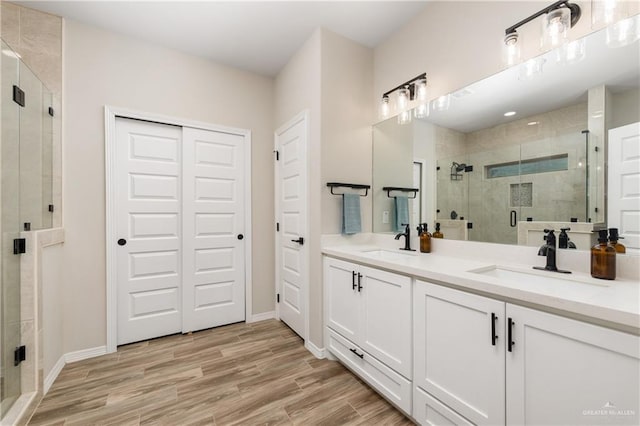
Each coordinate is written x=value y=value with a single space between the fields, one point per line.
x=263 y=316
x=53 y=374
x=316 y=351
x=85 y=354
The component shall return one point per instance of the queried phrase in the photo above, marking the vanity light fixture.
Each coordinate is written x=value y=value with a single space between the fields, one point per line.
x=560 y=16
x=407 y=91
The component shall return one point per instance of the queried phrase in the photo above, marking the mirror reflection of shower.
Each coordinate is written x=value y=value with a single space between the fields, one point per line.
x=456 y=168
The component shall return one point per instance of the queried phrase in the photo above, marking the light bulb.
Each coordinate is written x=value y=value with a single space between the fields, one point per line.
x=442 y=103
x=511 y=52
x=384 y=109
x=403 y=99
x=555 y=27
x=421 y=90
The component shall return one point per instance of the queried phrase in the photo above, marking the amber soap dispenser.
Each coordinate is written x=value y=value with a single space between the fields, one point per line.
x=613 y=238
x=603 y=258
x=425 y=238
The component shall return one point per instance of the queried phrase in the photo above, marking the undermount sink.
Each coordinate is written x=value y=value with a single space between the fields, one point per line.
x=533 y=276
x=388 y=254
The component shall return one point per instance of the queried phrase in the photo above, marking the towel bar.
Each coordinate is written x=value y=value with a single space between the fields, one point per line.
x=389 y=189
x=348 y=185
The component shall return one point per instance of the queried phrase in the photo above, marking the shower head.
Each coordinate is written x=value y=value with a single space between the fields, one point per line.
x=458 y=167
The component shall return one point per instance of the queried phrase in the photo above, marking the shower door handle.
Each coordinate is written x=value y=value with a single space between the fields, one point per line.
x=513 y=218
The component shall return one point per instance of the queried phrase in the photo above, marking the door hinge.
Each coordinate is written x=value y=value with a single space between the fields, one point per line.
x=51 y=208
x=18 y=95
x=277 y=154
x=278 y=298
x=277 y=226
x=19 y=246
x=26 y=226
x=51 y=111
x=469 y=225
x=19 y=355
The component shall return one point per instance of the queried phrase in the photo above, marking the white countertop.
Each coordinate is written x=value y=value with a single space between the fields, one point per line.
x=613 y=302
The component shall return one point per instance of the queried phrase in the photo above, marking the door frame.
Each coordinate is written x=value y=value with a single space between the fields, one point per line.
x=110 y=114
x=301 y=116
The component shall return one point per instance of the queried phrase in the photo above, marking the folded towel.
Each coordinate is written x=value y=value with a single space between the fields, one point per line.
x=402 y=212
x=351 y=223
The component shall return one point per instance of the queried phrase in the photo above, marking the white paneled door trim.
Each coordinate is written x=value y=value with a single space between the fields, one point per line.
x=110 y=114
x=302 y=119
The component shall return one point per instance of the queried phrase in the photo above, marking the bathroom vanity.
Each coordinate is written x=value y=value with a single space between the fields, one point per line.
x=464 y=337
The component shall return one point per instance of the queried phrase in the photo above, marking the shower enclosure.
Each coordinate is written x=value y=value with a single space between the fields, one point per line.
x=25 y=200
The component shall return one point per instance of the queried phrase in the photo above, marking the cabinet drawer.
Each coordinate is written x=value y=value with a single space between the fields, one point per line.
x=429 y=411
x=383 y=379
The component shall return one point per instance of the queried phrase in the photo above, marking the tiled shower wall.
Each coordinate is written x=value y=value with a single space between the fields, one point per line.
x=486 y=202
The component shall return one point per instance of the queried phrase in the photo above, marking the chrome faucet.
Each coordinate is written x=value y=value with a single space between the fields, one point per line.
x=549 y=250
x=407 y=237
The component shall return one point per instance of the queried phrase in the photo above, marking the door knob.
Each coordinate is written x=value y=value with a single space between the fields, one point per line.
x=299 y=241
x=240 y=236
x=122 y=242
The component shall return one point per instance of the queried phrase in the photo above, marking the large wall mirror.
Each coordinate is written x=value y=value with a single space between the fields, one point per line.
x=505 y=157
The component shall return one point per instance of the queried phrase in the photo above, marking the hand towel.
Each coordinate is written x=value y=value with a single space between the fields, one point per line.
x=351 y=223
x=402 y=211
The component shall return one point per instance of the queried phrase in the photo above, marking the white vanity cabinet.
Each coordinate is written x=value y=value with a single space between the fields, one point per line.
x=369 y=325
x=459 y=353
x=482 y=360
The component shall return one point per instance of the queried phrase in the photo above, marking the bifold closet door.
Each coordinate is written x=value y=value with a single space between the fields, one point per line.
x=213 y=226
x=148 y=224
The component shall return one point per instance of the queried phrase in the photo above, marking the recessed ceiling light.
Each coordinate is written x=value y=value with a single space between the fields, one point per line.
x=533 y=123
x=509 y=114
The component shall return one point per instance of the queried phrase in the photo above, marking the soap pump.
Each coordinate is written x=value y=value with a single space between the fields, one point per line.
x=613 y=238
x=603 y=258
x=425 y=238
x=437 y=233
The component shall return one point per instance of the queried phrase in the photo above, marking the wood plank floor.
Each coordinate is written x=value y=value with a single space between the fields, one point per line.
x=247 y=374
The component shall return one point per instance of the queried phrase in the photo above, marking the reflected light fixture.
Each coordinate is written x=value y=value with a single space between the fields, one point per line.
x=531 y=68
x=422 y=110
x=624 y=32
x=571 y=53
x=509 y=114
x=559 y=17
x=407 y=91
x=442 y=103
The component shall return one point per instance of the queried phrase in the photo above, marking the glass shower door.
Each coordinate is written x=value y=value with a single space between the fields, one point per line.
x=9 y=230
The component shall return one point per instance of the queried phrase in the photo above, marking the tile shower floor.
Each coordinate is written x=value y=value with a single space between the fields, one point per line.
x=257 y=373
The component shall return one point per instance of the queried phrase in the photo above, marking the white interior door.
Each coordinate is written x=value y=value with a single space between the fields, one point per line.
x=148 y=225
x=624 y=184
x=291 y=214
x=213 y=255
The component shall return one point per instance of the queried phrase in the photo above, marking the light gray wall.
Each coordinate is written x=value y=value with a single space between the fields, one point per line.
x=104 y=68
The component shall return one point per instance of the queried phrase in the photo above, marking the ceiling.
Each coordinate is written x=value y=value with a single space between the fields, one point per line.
x=255 y=36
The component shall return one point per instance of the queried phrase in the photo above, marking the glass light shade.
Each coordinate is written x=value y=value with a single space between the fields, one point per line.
x=421 y=111
x=403 y=99
x=511 y=52
x=555 y=27
x=442 y=103
x=384 y=109
x=531 y=68
x=421 y=90
x=606 y=12
x=624 y=32
x=404 y=117
x=571 y=53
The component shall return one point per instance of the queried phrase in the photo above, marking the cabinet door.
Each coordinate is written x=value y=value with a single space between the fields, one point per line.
x=386 y=319
x=342 y=299
x=562 y=371
x=456 y=358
